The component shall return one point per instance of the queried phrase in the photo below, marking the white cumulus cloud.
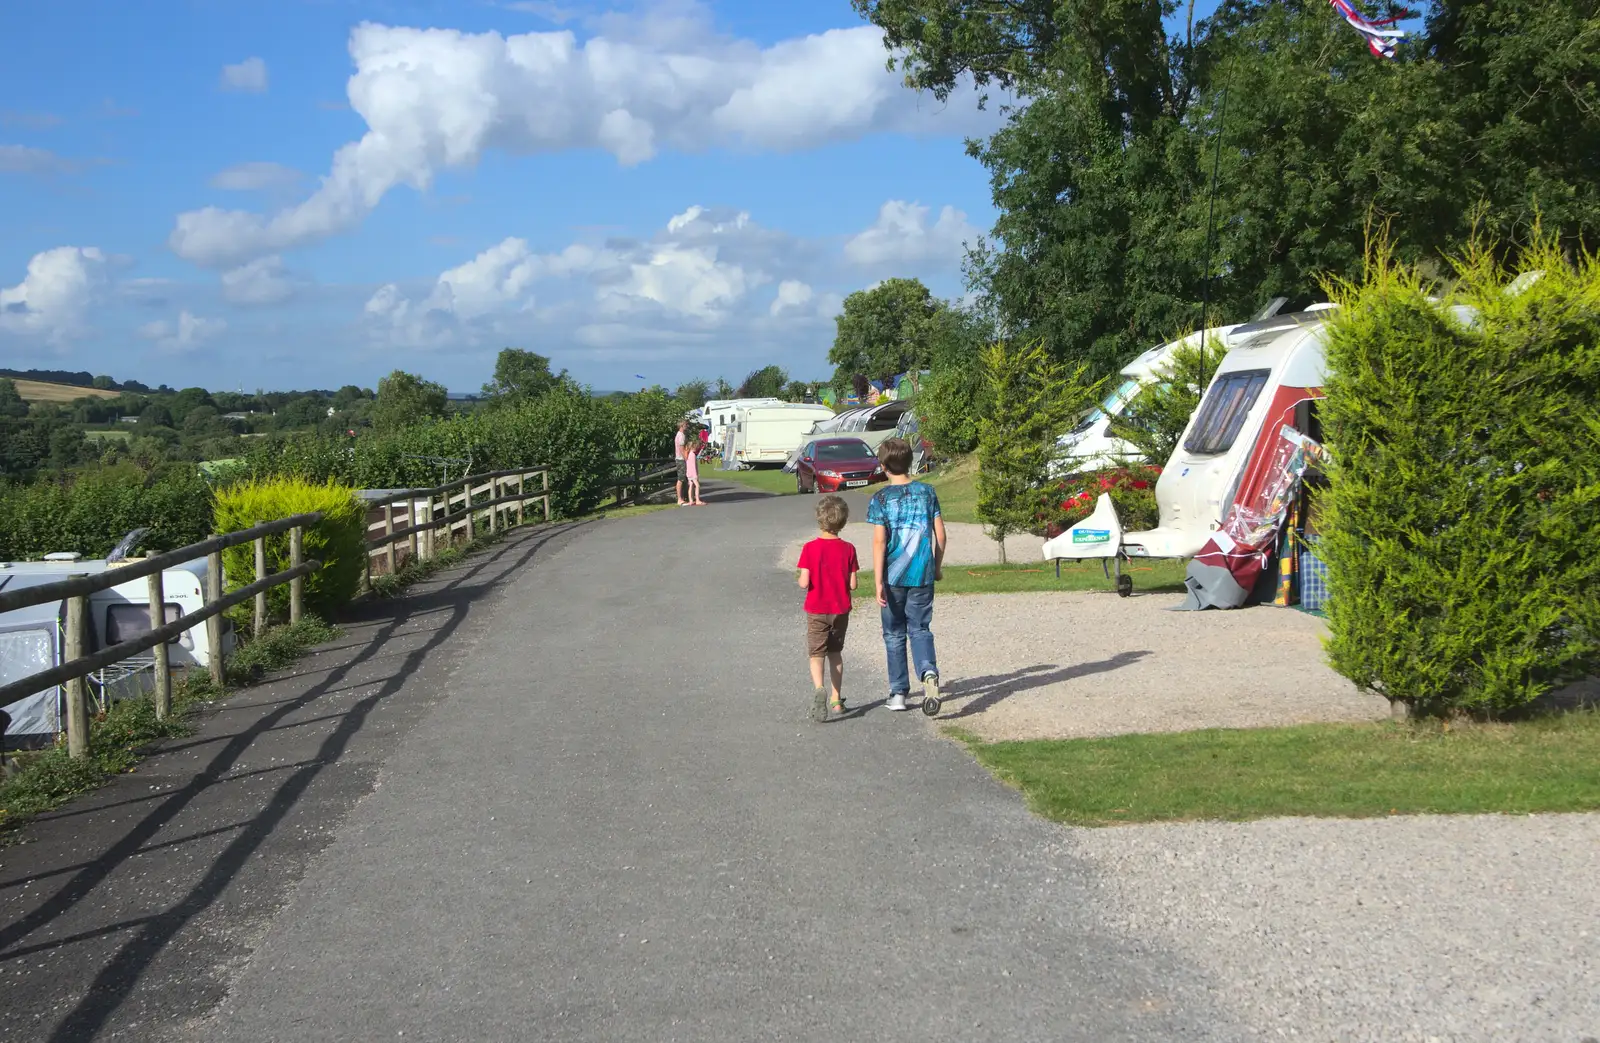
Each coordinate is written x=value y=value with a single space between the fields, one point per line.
x=435 y=99
x=249 y=75
x=263 y=281
x=51 y=300
x=256 y=177
x=902 y=235
x=792 y=295
x=189 y=332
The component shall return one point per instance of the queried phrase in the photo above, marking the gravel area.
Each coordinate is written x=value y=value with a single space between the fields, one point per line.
x=1058 y=665
x=1447 y=929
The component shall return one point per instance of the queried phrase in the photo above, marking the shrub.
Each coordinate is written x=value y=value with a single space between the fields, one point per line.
x=338 y=541
x=1463 y=565
x=92 y=510
x=1031 y=400
x=1133 y=491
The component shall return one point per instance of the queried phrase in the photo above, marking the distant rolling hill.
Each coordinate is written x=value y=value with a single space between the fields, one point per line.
x=39 y=391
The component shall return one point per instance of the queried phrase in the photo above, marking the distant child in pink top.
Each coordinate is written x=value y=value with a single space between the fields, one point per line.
x=691 y=464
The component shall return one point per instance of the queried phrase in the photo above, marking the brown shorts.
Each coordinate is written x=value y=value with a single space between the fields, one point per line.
x=825 y=634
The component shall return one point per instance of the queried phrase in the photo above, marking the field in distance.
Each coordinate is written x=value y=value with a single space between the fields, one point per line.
x=40 y=391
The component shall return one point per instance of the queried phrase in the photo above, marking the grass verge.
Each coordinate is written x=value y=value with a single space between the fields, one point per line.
x=1157 y=576
x=956 y=482
x=1549 y=764
x=767 y=479
x=119 y=739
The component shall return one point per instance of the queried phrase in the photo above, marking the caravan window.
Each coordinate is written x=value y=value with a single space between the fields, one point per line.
x=126 y=622
x=1223 y=413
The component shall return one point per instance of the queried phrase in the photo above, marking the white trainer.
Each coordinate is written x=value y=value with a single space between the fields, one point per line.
x=896 y=702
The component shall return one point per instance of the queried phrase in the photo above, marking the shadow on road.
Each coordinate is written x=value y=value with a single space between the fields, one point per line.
x=448 y=605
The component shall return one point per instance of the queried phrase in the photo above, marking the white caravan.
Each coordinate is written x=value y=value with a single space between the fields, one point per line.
x=718 y=414
x=768 y=434
x=31 y=638
x=1090 y=446
x=1271 y=376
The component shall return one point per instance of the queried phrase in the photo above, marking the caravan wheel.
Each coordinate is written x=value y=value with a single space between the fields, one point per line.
x=1124 y=586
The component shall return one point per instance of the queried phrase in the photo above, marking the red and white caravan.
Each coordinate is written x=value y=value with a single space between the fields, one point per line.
x=1230 y=452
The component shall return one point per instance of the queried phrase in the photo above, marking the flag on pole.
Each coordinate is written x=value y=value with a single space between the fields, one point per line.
x=1381 y=36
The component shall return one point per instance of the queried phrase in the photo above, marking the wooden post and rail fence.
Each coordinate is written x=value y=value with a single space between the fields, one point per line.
x=493 y=498
x=78 y=662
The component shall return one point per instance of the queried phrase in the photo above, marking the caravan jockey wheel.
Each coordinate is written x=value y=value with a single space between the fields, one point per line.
x=1124 y=586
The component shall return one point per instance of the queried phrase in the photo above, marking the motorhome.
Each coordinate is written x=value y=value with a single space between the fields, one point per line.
x=769 y=434
x=1271 y=377
x=31 y=639
x=1090 y=445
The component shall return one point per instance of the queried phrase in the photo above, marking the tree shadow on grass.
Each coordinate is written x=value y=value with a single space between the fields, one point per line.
x=984 y=692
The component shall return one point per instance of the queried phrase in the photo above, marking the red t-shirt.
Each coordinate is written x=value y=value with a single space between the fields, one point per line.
x=832 y=563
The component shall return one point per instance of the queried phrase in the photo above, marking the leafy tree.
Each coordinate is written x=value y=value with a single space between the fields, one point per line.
x=796 y=391
x=693 y=394
x=11 y=403
x=884 y=331
x=1031 y=398
x=104 y=382
x=188 y=399
x=405 y=398
x=155 y=415
x=305 y=411
x=520 y=374
x=767 y=382
x=724 y=389
x=348 y=396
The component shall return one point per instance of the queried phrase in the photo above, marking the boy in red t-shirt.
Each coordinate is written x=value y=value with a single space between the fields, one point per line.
x=828 y=574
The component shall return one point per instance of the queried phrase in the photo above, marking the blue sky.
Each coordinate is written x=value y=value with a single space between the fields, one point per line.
x=310 y=193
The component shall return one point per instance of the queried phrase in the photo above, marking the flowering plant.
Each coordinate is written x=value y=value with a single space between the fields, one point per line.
x=1064 y=503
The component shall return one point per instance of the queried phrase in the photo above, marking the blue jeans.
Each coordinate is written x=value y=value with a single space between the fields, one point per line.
x=909 y=612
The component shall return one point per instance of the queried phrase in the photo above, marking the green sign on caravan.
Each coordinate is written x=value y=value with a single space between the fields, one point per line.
x=1091 y=536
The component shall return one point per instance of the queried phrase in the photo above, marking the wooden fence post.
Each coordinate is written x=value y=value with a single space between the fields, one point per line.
x=297 y=586
x=260 y=626
x=466 y=494
x=78 y=687
x=411 y=523
x=522 y=498
x=494 y=512
x=427 y=534
x=388 y=530
x=545 y=474
x=163 y=669
x=214 y=624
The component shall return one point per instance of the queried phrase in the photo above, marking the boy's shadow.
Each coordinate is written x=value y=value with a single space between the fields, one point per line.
x=984 y=692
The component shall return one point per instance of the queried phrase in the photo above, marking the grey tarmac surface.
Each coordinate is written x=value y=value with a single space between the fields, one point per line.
x=616 y=824
x=127 y=914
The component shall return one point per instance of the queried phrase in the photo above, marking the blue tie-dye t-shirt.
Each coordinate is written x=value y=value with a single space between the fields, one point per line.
x=906 y=512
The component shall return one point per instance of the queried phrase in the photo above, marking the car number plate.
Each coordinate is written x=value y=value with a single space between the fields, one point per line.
x=858 y=481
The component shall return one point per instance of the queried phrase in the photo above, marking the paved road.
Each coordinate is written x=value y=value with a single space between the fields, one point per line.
x=597 y=813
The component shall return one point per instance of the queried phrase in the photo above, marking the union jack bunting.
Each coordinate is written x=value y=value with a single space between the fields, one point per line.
x=1381 y=36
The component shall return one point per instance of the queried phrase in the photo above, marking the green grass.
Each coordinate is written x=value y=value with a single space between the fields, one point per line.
x=1075 y=575
x=119 y=740
x=767 y=479
x=1550 y=764
x=957 y=485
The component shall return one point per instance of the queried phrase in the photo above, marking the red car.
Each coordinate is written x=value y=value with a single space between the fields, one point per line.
x=830 y=465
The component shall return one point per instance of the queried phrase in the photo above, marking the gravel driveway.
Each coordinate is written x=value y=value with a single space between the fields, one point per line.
x=1401 y=930
x=1060 y=665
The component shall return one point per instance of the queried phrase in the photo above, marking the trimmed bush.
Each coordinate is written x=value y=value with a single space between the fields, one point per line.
x=338 y=541
x=91 y=510
x=1463 y=525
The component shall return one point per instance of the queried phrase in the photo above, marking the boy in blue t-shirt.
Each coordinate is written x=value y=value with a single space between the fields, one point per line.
x=907 y=557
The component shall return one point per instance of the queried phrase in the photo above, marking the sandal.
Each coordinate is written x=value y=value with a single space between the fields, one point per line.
x=837 y=706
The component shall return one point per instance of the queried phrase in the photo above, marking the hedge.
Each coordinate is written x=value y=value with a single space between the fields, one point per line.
x=1463 y=519
x=338 y=541
x=90 y=511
